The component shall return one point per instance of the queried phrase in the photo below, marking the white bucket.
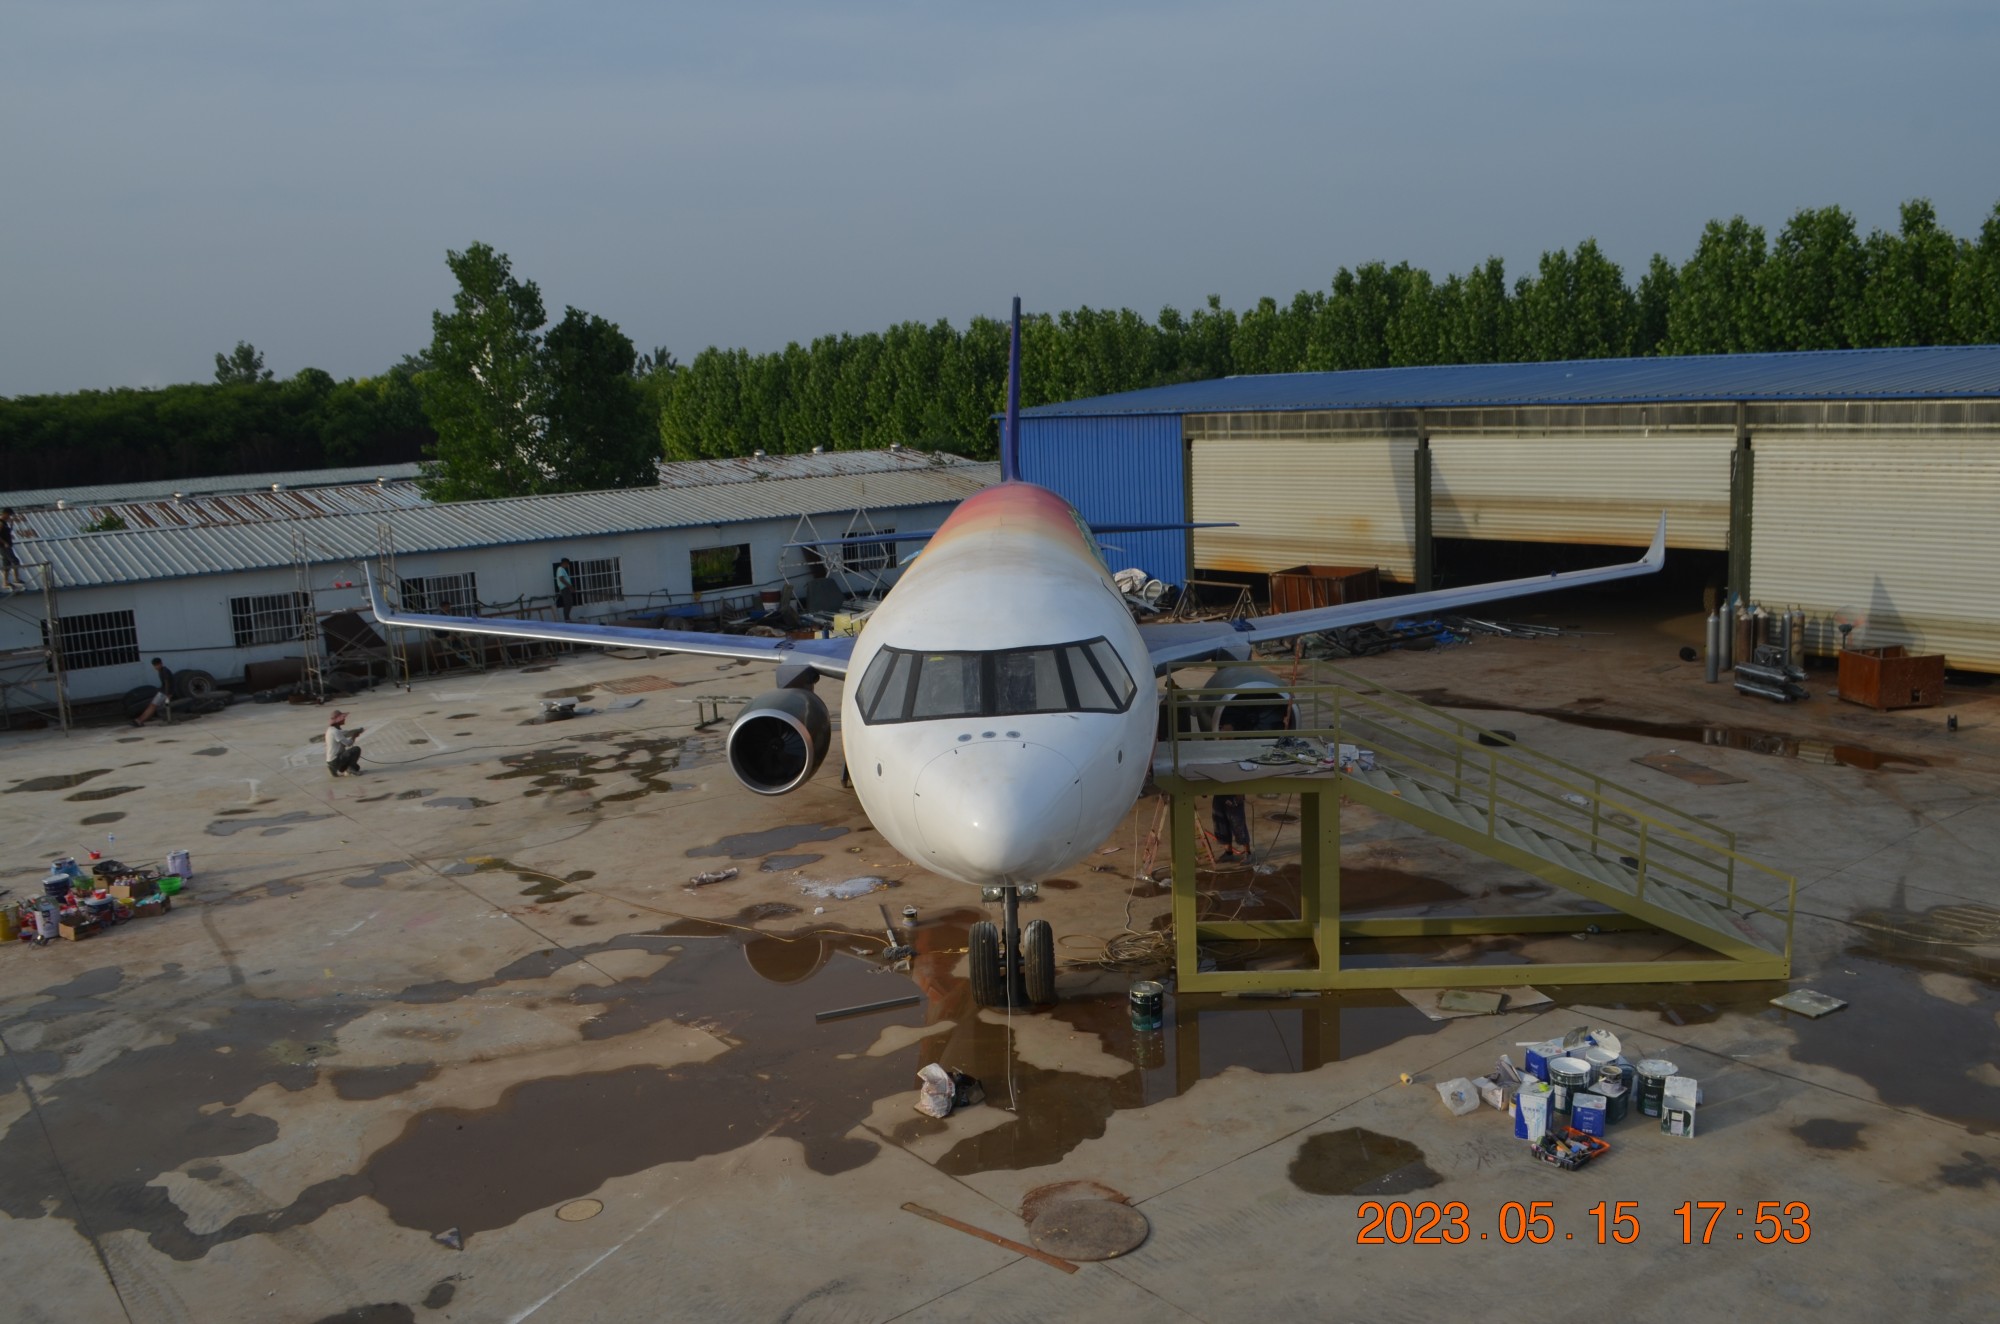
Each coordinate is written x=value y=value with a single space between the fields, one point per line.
x=179 y=864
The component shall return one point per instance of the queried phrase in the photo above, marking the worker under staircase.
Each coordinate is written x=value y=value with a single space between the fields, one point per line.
x=1645 y=864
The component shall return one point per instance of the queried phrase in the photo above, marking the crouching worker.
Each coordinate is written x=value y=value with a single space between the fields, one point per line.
x=343 y=756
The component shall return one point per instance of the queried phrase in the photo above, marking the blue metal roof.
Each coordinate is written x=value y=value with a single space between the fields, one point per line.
x=1928 y=372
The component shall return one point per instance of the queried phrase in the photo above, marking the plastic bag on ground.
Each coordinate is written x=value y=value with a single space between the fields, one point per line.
x=936 y=1092
x=1459 y=1095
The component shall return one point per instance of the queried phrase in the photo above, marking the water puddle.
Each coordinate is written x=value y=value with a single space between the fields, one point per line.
x=92 y=820
x=1774 y=744
x=212 y=751
x=743 y=845
x=378 y=875
x=67 y=781
x=104 y=793
x=274 y=826
x=459 y=802
x=363 y=1083
x=568 y=767
x=1828 y=1133
x=1357 y=1161
x=787 y=863
x=1911 y=1046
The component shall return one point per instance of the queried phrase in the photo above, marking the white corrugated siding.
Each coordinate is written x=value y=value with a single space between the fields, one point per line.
x=1333 y=501
x=1899 y=535
x=1582 y=489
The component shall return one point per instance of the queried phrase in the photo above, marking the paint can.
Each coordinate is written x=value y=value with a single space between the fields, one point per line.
x=1531 y=1111
x=1603 y=1062
x=1589 y=1113
x=56 y=886
x=1148 y=1001
x=179 y=865
x=1653 y=1073
x=1568 y=1077
x=1617 y=1100
x=1539 y=1055
x=10 y=921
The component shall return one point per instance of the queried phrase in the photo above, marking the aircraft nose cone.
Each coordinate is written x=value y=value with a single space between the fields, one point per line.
x=997 y=811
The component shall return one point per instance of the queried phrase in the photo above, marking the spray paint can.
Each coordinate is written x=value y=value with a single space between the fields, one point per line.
x=1709 y=670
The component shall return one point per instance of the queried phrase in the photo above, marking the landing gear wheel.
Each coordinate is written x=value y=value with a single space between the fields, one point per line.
x=989 y=988
x=1038 y=962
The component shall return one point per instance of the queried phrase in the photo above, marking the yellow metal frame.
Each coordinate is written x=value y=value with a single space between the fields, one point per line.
x=1462 y=778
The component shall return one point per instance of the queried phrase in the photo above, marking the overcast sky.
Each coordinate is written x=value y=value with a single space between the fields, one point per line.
x=182 y=174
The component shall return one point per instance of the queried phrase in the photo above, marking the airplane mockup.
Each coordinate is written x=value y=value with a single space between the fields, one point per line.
x=999 y=711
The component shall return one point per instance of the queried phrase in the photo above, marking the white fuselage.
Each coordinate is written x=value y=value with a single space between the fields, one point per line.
x=1002 y=797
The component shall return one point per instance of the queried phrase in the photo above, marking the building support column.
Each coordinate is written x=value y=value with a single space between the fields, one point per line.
x=1421 y=512
x=1742 y=499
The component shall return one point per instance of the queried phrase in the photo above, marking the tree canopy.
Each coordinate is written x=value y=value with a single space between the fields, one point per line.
x=517 y=412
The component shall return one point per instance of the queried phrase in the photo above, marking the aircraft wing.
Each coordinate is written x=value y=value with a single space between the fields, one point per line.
x=1174 y=643
x=826 y=656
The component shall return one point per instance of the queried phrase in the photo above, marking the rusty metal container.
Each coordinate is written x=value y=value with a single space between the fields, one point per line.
x=1307 y=586
x=1886 y=678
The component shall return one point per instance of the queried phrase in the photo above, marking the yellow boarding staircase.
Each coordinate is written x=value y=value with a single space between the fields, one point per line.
x=1650 y=863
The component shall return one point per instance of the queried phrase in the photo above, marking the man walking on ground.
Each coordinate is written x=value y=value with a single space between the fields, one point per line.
x=343 y=756
x=162 y=697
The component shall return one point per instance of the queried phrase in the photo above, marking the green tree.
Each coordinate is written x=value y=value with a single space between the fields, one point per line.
x=1812 y=282
x=1653 y=306
x=485 y=392
x=1717 y=308
x=597 y=436
x=1479 y=317
x=1975 y=290
x=242 y=366
x=1908 y=285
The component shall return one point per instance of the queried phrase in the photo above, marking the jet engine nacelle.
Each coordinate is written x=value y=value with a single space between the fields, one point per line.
x=779 y=741
x=1255 y=700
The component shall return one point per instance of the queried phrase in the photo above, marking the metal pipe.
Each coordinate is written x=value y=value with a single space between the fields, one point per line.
x=868 y=1008
x=1711 y=671
x=1728 y=627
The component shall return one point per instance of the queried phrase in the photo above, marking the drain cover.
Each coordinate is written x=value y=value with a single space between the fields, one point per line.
x=578 y=1210
x=1088 y=1229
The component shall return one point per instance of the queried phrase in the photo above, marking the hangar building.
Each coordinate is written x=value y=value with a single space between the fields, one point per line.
x=1860 y=485
x=218 y=581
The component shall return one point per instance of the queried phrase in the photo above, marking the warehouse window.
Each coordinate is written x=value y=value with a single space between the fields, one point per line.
x=598 y=581
x=442 y=595
x=270 y=618
x=869 y=555
x=720 y=567
x=101 y=639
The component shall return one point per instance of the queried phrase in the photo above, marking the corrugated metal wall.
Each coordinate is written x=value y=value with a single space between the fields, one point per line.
x=1306 y=501
x=1125 y=470
x=1899 y=535
x=1582 y=489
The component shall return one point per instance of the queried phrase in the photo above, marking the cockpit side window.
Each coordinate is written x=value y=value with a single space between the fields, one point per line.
x=1086 y=677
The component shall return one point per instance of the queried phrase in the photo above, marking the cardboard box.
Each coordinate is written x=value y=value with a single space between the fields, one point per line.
x=151 y=907
x=75 y=930
x=136 y=890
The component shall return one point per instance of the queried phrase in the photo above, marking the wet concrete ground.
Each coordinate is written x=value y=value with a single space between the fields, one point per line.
x=402 y=1020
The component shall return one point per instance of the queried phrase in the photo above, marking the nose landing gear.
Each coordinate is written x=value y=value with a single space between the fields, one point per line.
x=1013 y=966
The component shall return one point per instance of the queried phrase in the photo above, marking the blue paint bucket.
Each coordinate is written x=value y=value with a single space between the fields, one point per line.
x=1538 y=1091
x=1588 y=1112
x=1539 y=1055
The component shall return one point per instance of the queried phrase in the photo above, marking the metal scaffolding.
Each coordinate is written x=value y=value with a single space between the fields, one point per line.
x=33 y=680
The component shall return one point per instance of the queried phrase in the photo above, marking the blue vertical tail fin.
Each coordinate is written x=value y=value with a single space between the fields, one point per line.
x=1010 y=434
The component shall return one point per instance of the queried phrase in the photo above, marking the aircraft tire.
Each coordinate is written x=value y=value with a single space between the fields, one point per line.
x=1038 y=962
x=983 y=953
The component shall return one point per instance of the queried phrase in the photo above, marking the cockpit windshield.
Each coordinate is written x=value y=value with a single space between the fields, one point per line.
x=905 y=686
